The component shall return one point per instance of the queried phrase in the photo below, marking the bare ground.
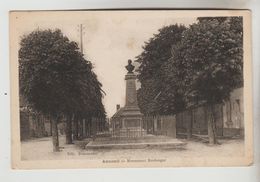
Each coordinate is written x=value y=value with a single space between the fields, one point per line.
x=41 y=149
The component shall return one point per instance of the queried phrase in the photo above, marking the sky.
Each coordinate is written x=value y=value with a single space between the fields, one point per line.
x=109 y=40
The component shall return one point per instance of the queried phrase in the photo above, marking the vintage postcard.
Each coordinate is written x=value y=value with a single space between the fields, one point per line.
x=131 y=88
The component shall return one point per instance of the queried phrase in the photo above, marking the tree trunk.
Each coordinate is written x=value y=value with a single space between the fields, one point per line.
x=40 y=126
x=51 y=126
x=230 y=111
x=69 y=130
x=88 y=127
x=189 y=127
x=80 y=130
x=55 y=135
x=76 y=128
x=212 y=133
x=84 y=128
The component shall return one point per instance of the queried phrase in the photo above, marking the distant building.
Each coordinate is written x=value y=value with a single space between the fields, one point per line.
x=233 y=114
x=32 y=124
x=229 y=117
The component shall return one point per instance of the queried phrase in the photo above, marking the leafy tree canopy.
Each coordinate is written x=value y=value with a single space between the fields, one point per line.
x=54 y=76
x=208 y=62
x=181 y=67
x=155 y=53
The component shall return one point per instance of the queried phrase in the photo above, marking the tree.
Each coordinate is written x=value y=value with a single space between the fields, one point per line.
x=55 y=78
x=152 y=97
x=86 y=101
x=208 y=64
x=90 y=103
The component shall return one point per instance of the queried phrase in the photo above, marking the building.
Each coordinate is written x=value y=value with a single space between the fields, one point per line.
x=229 y=117
x=32 y=124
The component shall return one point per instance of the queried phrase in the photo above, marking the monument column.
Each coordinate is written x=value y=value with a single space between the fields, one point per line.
x=131 y=95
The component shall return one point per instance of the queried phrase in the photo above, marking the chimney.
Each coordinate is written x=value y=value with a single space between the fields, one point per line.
x=117 y=107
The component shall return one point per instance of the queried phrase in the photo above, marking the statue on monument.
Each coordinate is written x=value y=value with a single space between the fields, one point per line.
x=130 y=67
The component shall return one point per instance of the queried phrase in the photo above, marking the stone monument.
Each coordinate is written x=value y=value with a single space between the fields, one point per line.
x=128 y=120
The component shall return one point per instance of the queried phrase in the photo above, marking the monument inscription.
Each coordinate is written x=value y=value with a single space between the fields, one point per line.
x=132 y=122
x=131 y=92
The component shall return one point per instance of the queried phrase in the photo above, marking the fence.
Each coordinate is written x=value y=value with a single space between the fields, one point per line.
x=34 y=125
x=160 y=125
x=195 y=120
x=95 y=127
x=148 y=125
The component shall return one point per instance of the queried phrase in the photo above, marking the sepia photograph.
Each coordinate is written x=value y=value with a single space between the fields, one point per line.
x=131 y=88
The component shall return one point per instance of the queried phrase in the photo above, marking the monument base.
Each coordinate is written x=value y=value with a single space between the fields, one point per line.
x=160 y=142
x=128 y=123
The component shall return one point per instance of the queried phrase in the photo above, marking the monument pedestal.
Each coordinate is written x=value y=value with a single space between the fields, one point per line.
x=131 y=117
